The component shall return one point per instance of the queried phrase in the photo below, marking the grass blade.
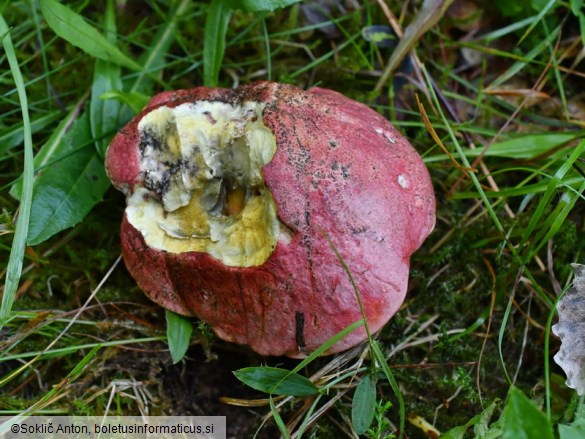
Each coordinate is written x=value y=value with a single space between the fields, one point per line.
x=50 y=150
x=550 y=193
x=216 y=26
x=12 y=137
x=14 y=269
x=381 y=359
x=154 y=59
x=73 y=28
x=276 y=381
x=525 y=147
x=555 y=219
x=539 y=17
x=515 y=68
x=134 y=100
x=104 y=115
x=278 y=419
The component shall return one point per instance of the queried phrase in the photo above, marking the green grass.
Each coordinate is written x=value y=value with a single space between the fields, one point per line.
x=472 y=342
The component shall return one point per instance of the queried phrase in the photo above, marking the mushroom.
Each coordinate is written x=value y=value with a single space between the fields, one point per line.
x=236 y=197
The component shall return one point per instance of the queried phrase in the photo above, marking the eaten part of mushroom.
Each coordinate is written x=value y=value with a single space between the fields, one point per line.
x=236 y=196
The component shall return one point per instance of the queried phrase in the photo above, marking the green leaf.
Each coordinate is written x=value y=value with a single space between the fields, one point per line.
x=543 y=7
x=154 y=60
x=14 y=136
x=577 y=428
x=576 y=6
x=259 y=5
x=528 y=146
x=523 y=420
x=73 y=28
x=379 y=35
x=549 y=195
x=68 y=187
x=278 y=419
x=547 y=5
x=14 y=266
x=525 y=147
x=518 y=66
x=69 y=174
x=276 y=381
x=216 y=25
x=50 y=150
x=363 y=405
x=383 y=363
x=508 y=8
x=479 y=422
x=179 y=332
x=582 y=27
x=136 y=101
x=105 y=115
x=481 y=427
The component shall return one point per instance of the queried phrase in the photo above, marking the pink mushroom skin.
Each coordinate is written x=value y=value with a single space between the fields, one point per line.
x=342 y=175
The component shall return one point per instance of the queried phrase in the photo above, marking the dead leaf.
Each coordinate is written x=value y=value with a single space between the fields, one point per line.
x=571 y=330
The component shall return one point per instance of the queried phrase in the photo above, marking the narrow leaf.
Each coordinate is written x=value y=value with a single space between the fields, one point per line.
x=136 y=101
x=105 y=114
x=379 y=35
x=543 y=10
x=523 y=420
x=431 y=12
x=576 y=6
x=515 y=68
x=555 y=219
x=14 y=267
x=582 y=27
x=525 y=147
x=73 y=28
x=179 y=332
x=14 y=136
x=50 y=150
x=363 y=405
x=216 y=25
x=278 y=419
x=67 y=188
x=154 y=60
x=381 y=359
x=550 y=193
x=276 y=381
x=259 y=5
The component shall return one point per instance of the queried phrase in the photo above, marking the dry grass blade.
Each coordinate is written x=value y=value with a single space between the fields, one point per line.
x=437 y=139
x=424 y=425
x=428 y=16
x=518 y=92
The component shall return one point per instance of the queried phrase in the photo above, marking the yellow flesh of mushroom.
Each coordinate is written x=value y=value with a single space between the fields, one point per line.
x=203 y=188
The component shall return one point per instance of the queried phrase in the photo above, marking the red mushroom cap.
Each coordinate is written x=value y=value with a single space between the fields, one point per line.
x=338 y=171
